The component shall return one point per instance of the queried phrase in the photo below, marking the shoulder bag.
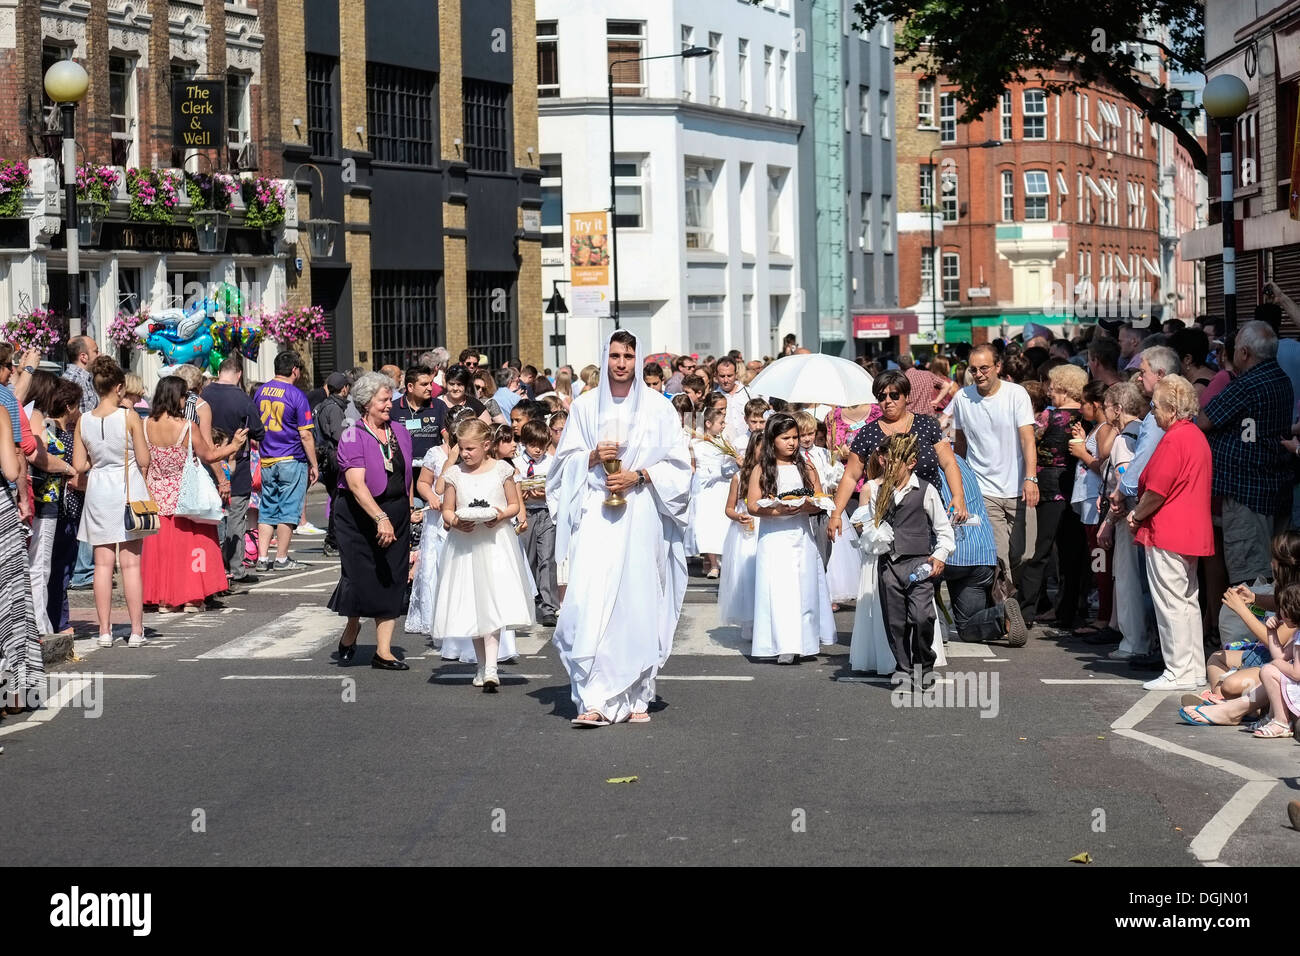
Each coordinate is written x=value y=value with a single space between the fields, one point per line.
x=140 y=516
x=198 y=499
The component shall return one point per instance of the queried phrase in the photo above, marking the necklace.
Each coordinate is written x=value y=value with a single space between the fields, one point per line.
x=386 y=444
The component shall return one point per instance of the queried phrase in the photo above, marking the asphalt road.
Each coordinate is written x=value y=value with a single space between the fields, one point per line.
x=236 y=738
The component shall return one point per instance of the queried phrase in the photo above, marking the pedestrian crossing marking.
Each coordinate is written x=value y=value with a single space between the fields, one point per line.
x=296 y=633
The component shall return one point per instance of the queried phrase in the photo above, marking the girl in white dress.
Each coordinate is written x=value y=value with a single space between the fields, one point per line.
x=736 y=586
x=792 y=607
x=483 y=581
x=714 y=466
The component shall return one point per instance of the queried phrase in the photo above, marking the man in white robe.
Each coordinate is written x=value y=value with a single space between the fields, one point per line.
x=627 y=563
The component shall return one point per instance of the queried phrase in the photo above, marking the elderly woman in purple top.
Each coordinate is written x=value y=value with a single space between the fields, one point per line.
x=373 y=524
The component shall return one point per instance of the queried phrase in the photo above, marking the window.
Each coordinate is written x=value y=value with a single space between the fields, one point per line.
x=400 y=107
x=699 y=180
x=865 y=234
x=951 y=277
x=1247 y=158
x=688 y=66
x=927 y=273
x=548 y=58
x=1061 y=194
x=782 y=70
x=925 y=182
x=715 y=69
x=123 y=110
x=925 y=103
x=886 y=119
x=625 y=40
x=864 y=110
x=948 y=185
x=629 y=185
x=321 y=71
x=489 y=304
x=1035 y=119
x=1079 y=214
x=705 y=316
x=887 y=224
x=742 y=70
x=238 y=130
x=775 y=187
x=487 y=125
x=404 y=314
x=947 y=118
x=552 y=205
x=1004 y=110
x=1036 y=192
x=1008 y=196
x=769 y=79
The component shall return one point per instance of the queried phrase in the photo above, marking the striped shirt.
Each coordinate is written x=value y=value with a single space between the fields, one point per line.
x=975 y=545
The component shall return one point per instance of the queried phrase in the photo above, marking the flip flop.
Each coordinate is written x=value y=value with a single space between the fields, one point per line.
x=638 y=718
x=590 y=719
x=1207 y=722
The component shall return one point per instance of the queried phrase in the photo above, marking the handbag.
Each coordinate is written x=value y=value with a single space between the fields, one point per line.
x=140 y=516
x=198 y=499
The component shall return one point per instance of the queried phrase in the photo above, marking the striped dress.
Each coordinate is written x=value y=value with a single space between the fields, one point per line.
x=21 y=664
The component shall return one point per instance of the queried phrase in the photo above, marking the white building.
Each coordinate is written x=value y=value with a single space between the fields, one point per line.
x=706 y=168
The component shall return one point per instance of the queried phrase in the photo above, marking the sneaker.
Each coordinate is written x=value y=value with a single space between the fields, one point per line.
x=289 y=564
x=1293 y=813
x=1165 y=682
x=548 y=619
x=309 y=529
x=478 y=677
x=1017 y=633
x=137 y=640
x=105 y=640
x=330 y=551
x=262 y=564
x=1120 y=655
x=785 y=659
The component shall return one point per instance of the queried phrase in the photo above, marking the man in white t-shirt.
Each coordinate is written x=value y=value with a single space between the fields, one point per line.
x=994 y=423
x=737 y=431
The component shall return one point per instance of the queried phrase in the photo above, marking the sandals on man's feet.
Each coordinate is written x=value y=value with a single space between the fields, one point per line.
x=638 y=718
x=590 y=718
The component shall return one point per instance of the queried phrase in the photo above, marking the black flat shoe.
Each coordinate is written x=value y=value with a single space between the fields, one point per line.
x=347 y=652
x=385 y=665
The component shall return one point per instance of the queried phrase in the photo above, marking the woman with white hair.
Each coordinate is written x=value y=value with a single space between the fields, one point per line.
x=1172 y=522
x=373 y=523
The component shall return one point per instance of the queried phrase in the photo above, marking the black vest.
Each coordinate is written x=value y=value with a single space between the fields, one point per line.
x=912 y=533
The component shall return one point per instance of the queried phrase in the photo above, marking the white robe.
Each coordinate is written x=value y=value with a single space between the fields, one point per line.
x=627 y=565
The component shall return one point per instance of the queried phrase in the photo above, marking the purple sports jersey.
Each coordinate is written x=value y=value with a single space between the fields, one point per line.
x=283 y=409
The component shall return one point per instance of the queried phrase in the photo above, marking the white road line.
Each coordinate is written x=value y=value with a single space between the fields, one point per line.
x=333 y=677
x=186 y=660
x=295 y=633
x=719 y=677
x=1094 y=680
x=14 y=728
x=885 y=680
x=290 y=577
x=69 y=691
x=500 y=674
x=1214 y=835
x=962 y=649
x=1139 y=711
x=1219 y=763
x=996 y=660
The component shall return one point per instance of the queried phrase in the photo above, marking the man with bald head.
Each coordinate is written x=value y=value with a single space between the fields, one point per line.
x=82 y=350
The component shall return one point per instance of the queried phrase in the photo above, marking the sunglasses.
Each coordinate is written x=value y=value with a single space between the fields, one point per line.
x=893 y=396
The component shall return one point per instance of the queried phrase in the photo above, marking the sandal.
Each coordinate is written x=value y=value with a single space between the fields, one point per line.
x=638 y=718
x=591 y=718
x=1204 y=721
x=1264 y=734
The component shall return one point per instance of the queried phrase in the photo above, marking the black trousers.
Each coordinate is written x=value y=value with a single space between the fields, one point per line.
x=977 y=619
x=908 y=611
x=1059 y=526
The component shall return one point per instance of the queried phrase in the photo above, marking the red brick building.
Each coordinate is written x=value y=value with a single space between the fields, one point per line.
x=1058 y=224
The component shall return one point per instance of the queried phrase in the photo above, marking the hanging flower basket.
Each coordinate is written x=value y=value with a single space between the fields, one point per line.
x=215 y=191
x=96 y=184
x=36 y=329
x=263 y=203
x=15 y=176
x=122 y=330
x=154 y=195
x=291 y=325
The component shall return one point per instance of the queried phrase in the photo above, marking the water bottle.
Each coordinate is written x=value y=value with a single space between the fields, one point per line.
x=921 y=573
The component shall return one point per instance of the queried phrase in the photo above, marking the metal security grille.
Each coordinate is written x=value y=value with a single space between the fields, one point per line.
x=405 y=317
x=400 y=107
x=320 y=104
x=487 y=130
x=322 y=354
x=491 y=300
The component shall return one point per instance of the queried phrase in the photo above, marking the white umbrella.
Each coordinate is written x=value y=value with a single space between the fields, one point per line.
x=815 y=379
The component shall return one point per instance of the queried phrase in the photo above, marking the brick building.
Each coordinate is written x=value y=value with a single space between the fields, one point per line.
x=917 y=109
x=1059 y=224
x=136 y=53
x=414 y=126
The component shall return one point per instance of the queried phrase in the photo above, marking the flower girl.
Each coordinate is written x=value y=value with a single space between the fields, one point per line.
x=792 y=607
x=736 y=586
x=483 y=581
x=715 y=463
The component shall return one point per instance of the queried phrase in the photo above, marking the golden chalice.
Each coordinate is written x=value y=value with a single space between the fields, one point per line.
x=613 y=467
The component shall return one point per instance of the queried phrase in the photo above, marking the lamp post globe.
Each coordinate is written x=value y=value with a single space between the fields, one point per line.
x=1225 y=96
x=66 y=82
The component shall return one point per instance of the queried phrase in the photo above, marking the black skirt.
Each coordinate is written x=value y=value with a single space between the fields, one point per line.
x=372 y=580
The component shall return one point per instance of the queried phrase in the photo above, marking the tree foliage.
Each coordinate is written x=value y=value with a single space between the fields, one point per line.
x=981 y=46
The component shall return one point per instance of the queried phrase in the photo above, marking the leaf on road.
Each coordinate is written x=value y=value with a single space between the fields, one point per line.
x=621 y=780
x=1081 y=858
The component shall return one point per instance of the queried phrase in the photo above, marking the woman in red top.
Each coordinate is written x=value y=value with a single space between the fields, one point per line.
x=1172 y=521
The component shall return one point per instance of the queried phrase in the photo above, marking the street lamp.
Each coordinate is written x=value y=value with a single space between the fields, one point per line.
x=66 y=83
x=934 y=194
x=1225 y=98
x=556 y=307
x=688 y=53
x=210 y=224
x=321 y=233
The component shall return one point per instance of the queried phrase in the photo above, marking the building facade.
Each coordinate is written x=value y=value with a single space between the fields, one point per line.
x=1050 y=210
x=920 y=224
x=706 y=170
x=1259 y=43
x=145 y=257
x=851 y=191
x=414 y=126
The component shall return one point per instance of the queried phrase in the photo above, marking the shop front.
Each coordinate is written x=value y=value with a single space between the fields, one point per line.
x=882 y=333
